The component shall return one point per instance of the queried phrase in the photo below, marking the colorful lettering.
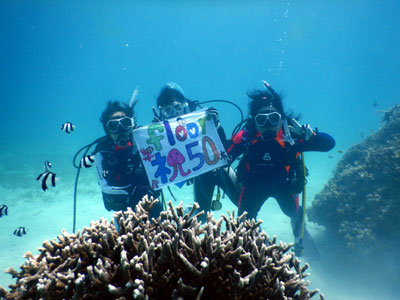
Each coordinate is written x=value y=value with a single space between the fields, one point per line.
x=153 y=138
x=175 y=159
x=195 y=155
x=209 y=141
x=193 y=130
x=170 y=136
x=162 y=171
x=181 y=133
x=202 y=122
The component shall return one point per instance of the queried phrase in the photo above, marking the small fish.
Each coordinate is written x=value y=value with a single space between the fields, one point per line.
x=340 y=151
x=375 y=103
x=3 y=210
x=46 y=174
x=87 y=161
x=20 y=231
x=67 y=127
x=330 y=155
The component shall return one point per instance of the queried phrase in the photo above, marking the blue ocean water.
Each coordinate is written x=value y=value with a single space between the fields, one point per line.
x=63 y=60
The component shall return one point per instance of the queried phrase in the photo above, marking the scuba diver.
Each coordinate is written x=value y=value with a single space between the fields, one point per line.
x=120 y=172
x=271 y=144
x=172 y=103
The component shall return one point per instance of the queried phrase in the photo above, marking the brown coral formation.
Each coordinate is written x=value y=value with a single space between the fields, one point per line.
x=360 y=205
x=171 y=257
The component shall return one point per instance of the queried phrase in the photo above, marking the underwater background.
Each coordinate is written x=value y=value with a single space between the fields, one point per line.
x=336 y=62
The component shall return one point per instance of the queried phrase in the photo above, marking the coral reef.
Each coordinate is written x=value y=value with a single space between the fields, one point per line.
x=360 y=205
x=171 y=257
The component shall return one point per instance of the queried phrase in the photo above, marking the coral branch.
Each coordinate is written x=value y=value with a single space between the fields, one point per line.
x=173 y=257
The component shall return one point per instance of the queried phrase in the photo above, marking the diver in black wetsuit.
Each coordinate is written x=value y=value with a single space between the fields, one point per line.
x=171 y=103
x=270 y=145
x=121 y=174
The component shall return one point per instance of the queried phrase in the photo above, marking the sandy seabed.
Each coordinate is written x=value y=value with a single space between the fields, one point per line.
x=46 y=214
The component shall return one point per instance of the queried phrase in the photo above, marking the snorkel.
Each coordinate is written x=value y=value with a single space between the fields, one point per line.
x=287 y=136
x=123 y=132
x=124 y=137
x=133 y=98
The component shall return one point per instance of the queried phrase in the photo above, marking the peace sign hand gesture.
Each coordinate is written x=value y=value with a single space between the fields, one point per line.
x=304 y=131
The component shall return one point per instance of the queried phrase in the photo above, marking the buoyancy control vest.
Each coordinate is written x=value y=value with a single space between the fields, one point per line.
x=273 y=162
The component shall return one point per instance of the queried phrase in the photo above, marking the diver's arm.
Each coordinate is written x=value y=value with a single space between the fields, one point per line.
x=235 y=146
x=321 y=141
x=222 y=136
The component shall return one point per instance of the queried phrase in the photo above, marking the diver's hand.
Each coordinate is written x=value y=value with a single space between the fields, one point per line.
x=213 y=112
x=304 y=131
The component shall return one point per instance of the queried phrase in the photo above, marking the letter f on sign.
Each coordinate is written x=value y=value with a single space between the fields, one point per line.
x=153 y=138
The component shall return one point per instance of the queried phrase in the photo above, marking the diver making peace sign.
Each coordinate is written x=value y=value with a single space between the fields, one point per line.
x=271 y=143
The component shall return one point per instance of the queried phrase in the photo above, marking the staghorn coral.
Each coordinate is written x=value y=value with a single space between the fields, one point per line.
x=172 y=257
x=360 y=205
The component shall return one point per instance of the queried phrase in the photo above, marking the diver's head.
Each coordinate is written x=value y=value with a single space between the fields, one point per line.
x=118 y=122
x=172 y=101
x=266 y=111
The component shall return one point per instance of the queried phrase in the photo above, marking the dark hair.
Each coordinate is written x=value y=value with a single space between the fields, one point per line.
x=169 y=93
x=260 y=98
x=113 y=107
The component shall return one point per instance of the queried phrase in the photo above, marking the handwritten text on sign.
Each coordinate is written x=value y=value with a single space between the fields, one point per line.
x=180 y=148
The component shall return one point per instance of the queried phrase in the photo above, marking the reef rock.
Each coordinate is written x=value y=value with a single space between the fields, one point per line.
x=360 y=205
x=171 y=257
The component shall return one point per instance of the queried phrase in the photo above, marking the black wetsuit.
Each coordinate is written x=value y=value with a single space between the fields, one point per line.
x=224 y=177
x=122 y=177
x=271 y=167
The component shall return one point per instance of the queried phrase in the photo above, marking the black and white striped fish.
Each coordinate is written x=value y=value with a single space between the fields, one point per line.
x=47 y=174
x=87 y=161
x=3 y=210
x=20 y=231
x=67 y=127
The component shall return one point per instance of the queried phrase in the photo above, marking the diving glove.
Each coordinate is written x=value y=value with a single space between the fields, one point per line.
x=304 y=131
x=214 y=114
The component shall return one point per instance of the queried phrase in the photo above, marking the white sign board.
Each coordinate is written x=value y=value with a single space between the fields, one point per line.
x=181 y=148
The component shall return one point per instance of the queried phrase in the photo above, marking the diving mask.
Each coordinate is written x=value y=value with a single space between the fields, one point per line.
x=267 y=119
x=174 y=110
x=120 y=125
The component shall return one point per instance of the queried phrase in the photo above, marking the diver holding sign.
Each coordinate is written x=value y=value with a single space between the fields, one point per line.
x=173 y=105
x=176 y=150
